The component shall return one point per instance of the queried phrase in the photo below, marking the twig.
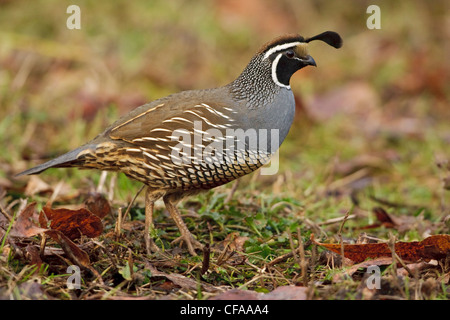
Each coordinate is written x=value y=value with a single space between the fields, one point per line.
x=291 y=243
x=101 y=182
x=132 y=201
x=3 y=211
x=336 y=220
x=118 y=223
x=395 y=258
x=340 y=230
x=206 y=255
x=222 y=257
x=281 y=258
x=357 y=175
x=55 y=193
x=130 y=263
x=232 y=191
x=302 y=258
x=112 y=184
x=313 y=263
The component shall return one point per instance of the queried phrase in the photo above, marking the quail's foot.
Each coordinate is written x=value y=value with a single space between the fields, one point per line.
x=190 y=241
x=150 y=245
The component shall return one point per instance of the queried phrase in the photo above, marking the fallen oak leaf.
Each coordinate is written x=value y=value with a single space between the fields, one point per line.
x=72 y=223
x=24 y=226
x=36 y=185
x=434 y=247
x=73 y=252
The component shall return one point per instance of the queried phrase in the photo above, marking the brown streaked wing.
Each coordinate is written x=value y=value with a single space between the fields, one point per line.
x=154 y=123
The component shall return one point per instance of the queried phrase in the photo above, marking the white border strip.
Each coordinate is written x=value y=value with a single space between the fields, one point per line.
x=281 y=47
x=274 y=72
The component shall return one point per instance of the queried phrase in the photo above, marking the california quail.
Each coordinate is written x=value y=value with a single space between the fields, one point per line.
x=197 y=140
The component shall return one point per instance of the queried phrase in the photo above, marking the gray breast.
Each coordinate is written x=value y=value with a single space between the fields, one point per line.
x=271 y=121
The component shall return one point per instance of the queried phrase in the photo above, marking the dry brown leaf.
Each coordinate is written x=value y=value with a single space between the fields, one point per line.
x=382 y=261
x=73 y=252
x=36 y=185
x=384 y=219
x=35 y=257
x=97 y=204
x=24 y=226
x=434 y=247
x=235 y=242
x=64 y=225
x=73 y=223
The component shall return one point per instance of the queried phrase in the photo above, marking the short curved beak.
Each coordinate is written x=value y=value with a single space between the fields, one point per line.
x=309 y=61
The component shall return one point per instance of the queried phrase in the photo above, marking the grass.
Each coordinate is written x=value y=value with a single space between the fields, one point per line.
x=59 y=88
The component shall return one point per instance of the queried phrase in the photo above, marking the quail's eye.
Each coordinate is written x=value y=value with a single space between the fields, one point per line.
x=290 y=54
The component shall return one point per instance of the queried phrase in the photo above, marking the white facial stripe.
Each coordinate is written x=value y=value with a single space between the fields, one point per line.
x=280 y=47
x=274 y=72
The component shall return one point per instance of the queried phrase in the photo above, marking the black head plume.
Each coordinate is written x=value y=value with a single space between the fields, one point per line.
x=330 y=37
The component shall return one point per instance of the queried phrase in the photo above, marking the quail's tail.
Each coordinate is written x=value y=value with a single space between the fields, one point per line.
x=69 y=159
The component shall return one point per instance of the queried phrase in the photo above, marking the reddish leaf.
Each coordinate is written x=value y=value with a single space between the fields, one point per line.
x=434 y=247
x=74 y=223
x=384 y=219
x=43 y=221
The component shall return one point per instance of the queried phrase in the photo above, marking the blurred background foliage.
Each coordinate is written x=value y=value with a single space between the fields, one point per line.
x=381 y=99
x=372 y=126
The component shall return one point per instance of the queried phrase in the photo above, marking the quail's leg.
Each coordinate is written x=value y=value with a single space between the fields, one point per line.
x=186 y=235
x=150 y=198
